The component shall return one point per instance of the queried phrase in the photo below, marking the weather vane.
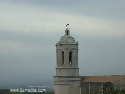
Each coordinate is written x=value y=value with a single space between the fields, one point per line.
x=67 y=32
x=67 y=26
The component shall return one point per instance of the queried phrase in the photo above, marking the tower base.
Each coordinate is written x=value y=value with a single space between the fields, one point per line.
x=64 y=85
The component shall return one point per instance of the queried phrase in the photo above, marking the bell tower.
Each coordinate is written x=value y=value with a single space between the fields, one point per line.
x=67 y=80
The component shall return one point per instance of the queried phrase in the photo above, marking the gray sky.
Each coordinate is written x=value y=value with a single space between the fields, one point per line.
x=29 y=30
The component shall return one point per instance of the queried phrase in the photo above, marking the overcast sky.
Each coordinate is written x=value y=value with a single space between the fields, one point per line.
x=29 y=30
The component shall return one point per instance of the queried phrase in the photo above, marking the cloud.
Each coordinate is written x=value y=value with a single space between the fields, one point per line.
x=25 y=42
x=28 y=18
x=8 y=46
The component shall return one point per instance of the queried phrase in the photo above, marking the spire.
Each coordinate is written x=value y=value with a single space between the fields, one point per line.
x=67 y=31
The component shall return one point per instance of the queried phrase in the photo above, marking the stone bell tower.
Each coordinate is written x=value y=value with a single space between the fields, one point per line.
x=67 y=80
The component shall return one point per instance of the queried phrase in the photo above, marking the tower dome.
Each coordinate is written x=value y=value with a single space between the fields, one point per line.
x=67 y=39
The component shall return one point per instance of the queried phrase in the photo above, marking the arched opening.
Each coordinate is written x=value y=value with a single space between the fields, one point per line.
x=62 y=57
x=70 y=57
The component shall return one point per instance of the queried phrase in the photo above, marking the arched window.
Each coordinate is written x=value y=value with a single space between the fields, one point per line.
x=62 y=57
x=70 y=57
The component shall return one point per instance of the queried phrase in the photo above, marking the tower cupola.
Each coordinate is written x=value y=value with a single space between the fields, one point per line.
x=67 y=38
